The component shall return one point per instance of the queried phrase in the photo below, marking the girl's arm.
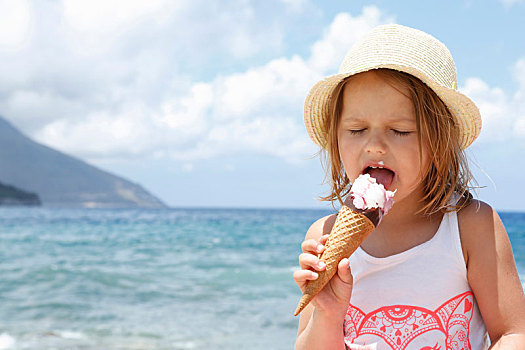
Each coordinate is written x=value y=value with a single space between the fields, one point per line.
x=493 y=276
x=322 y=331
x=509 y=341
x=321 y=327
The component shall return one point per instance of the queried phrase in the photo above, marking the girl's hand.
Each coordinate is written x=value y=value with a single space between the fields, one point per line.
x=335 y=296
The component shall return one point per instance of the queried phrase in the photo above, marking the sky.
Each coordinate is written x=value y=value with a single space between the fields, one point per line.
x=201 y=102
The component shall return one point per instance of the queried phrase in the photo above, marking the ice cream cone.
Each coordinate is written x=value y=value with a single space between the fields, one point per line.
x=349 y=231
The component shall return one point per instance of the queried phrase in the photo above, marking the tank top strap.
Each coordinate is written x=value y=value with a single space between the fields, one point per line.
x=449 y=239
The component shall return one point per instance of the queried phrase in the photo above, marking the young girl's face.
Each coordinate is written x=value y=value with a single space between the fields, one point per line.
x=377 y=129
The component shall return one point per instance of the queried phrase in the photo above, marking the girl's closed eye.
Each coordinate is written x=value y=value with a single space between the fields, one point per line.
x=356 y=131
x=401 y=132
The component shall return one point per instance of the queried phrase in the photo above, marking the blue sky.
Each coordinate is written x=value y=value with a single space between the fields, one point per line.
x=201 y=101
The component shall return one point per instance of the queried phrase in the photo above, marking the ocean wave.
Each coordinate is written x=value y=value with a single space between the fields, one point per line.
x=6 y=341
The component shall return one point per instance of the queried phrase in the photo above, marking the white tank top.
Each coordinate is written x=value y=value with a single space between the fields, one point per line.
x=419 y=299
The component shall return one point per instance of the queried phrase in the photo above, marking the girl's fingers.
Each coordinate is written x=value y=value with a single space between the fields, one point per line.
x=309 y=261
x=323 y=239
x=343 y=271
x=301 y=276
x=312 y=246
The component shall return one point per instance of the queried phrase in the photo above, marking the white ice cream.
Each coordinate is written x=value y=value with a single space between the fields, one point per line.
x=368 y=194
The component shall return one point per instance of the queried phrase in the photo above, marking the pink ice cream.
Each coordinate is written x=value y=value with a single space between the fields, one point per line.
x=367 y=193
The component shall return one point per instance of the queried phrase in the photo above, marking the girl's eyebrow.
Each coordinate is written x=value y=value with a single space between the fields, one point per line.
x=401 y=119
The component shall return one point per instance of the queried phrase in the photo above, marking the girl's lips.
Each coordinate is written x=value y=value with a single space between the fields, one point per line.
x=383 y=174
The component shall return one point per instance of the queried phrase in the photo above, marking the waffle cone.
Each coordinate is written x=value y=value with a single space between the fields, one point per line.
x=349 y=231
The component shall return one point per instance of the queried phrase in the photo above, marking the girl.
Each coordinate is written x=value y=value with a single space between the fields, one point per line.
x=438 y=272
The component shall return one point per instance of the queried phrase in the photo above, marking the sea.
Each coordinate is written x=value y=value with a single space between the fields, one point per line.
x=157 y=279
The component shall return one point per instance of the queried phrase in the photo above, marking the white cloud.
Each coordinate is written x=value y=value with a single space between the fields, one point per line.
x=101 y=135
x=509 y=3
x=328 y=52
x=493 y=104
x=280 y=83
x=188 y=167
x=519 y=100
x=102 y=98
x=93 y=27
x=501 y=112
x=99 y=15
x=16 y=20
x=188 y=115
x=519 y=127
x=260 y=110
x=296 y=5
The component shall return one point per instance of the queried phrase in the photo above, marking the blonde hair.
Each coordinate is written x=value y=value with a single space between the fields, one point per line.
x=448 y=173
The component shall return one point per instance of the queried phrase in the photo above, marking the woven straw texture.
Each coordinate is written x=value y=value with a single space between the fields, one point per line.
x=407 y=50
x=349 y=231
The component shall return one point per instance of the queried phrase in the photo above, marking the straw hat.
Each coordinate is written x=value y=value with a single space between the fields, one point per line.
x=407 y=50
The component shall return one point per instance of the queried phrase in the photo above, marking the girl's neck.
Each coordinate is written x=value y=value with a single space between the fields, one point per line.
x=402 y=228
x=406 y=211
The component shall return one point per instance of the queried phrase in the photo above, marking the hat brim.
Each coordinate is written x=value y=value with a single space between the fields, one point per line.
x=317 y=104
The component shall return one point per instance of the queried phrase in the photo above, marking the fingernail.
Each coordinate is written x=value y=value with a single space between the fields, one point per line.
x=320 y=248
x=321 y=264
x=315 y=275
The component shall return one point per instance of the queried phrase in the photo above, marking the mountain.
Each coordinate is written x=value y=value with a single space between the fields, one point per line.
x=61 y=180
x=10 y=195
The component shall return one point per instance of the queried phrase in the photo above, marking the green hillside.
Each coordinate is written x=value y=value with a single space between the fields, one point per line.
x=10 y=195
x=62 y=180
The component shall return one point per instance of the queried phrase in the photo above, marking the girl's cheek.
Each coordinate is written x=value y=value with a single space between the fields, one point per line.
x=346 y=168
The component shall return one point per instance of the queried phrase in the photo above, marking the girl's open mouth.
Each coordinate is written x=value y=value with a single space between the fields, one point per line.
x=383 y=175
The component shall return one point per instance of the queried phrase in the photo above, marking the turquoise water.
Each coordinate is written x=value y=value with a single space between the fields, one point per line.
x=156 y=279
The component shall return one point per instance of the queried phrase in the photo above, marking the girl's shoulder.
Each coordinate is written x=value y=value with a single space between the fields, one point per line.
x=479 y=224
x=322 y=226
x=477 y=210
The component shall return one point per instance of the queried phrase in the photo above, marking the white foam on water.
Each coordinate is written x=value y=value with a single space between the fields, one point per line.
x=70 y=334
x=6 y=341
x=185 y=345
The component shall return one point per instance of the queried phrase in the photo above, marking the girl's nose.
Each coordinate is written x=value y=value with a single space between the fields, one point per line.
x=375 y=144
